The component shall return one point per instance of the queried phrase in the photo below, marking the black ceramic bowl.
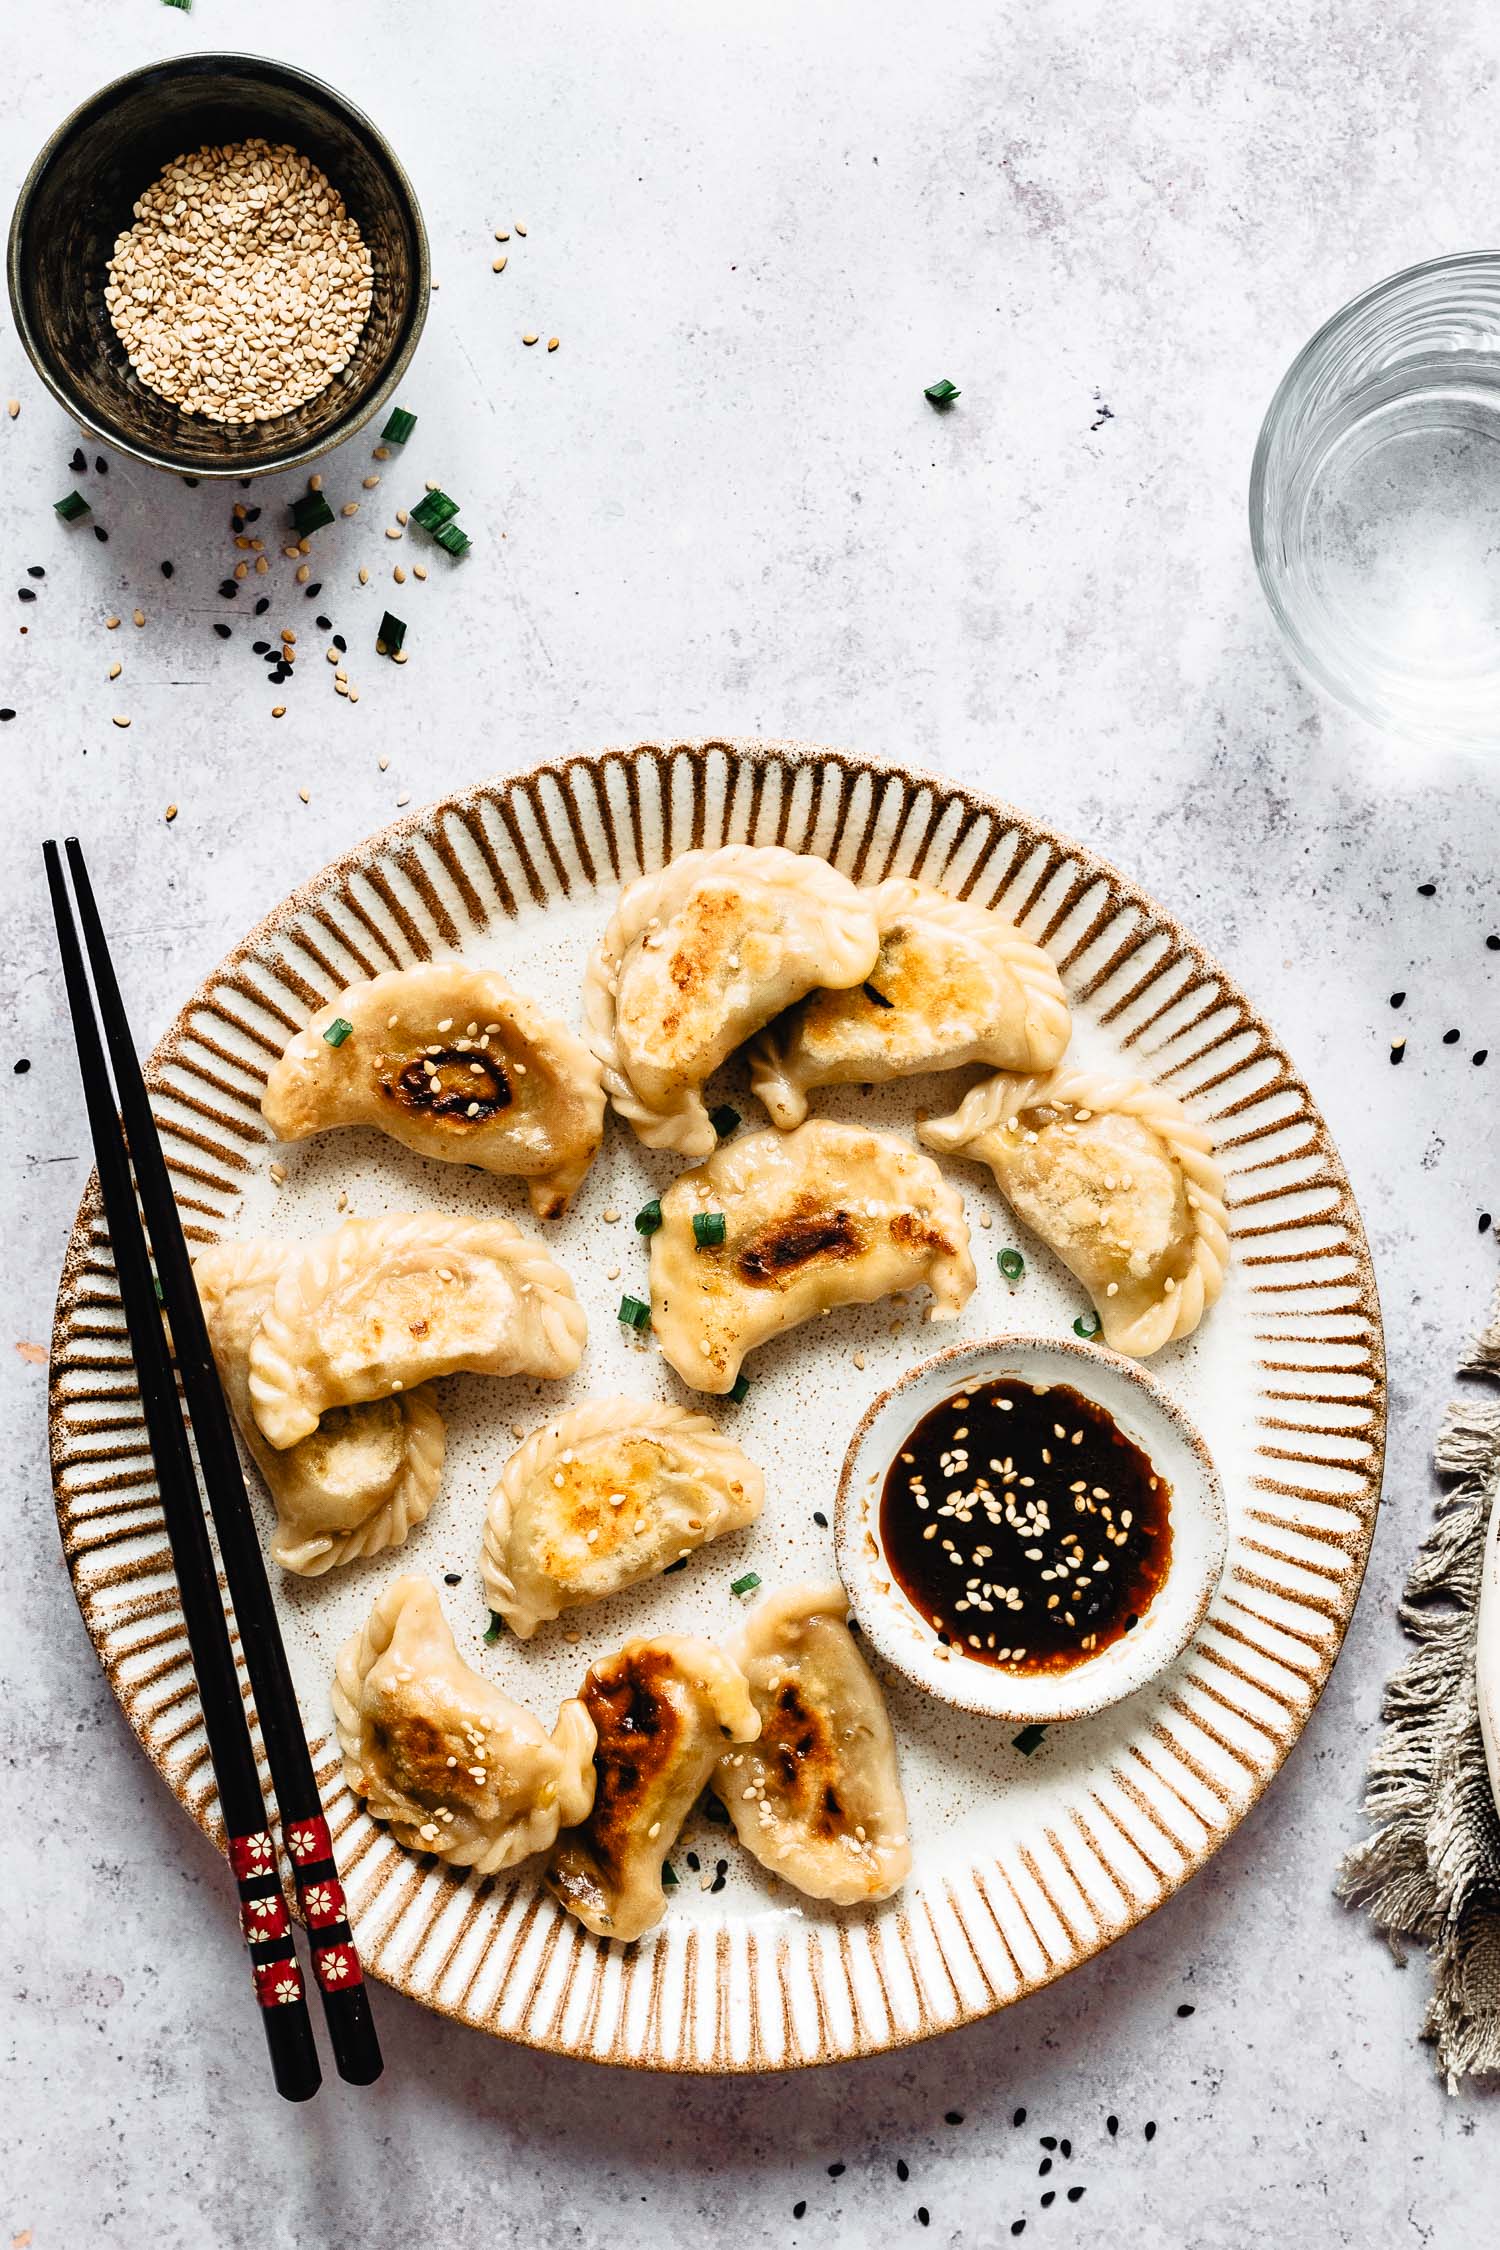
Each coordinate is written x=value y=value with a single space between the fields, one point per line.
x=78 y=198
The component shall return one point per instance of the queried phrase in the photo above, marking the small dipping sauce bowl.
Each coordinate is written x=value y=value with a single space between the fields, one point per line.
x=1087 y=1526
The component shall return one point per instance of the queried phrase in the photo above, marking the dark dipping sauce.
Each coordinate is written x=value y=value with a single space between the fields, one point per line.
x=1024 y=1524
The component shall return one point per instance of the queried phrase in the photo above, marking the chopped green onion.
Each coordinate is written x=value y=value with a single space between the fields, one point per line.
x=879 y=998
x=668 y=1876
x=942 y=393
x=1087 y=1325
x=494 y=1629
x=71 y=506
x=648 y=1219
x=709 y=1229
x=184 y=5
x=737 y=1390
x=453 y=541
x=633 y=1314
x=1027 y=1740
x=433 y=510
x=389 y=634
x=724 y=1121
x=745 y=1585
x=400 y=426
x=1011 y=1264
x=310 y=513
x=338 y=1031
x=156 y=1285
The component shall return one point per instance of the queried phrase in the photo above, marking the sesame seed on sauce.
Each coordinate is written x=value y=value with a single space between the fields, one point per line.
x=1025 y=1526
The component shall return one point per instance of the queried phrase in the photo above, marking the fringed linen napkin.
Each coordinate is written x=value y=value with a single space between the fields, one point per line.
x=1431 y=1870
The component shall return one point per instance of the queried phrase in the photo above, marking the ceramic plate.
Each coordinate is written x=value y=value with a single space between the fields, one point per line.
x=1024 y=1866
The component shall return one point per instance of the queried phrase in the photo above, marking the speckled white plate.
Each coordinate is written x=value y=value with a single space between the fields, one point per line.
x=1023 y=1866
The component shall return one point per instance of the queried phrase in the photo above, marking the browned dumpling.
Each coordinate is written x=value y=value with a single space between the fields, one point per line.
x=954 y=983
x=1117 y=1178
x=697 y=957
x=790 y=1224
x=448 y=1762
x=663 y=1710
x=454 y=1063
x=816 y=1797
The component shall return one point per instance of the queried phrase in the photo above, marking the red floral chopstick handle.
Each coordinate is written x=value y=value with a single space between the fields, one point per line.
x=265 y=1921
x=324 y=1907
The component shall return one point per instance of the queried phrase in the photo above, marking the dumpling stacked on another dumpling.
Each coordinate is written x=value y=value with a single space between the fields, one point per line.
x=1114 y=1175
x=698 y=957
x=438 y=1753
x=816 y=1797
x=364 y=1476
x=777 y=1227
x=605 y=1495
x=454 y=1063
x=954 y=983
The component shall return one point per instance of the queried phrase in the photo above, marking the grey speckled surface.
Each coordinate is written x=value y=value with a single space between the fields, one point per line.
x=726 y=507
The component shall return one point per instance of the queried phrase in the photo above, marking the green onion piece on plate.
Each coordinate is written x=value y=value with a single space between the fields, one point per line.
x=648 y=1218
x=941 y=394
x=390 y=633
x=453 y=541
x=71 y=507
x=737 y=1390
x=745 y=1585
x=184 y=5
x=310 y=513
x=709 y=1229
x=668 y=1876
x=400 y=426
x=1087 y=1325
x=494 y=1629
x=338 y=1031
x=633 y=1314
x=724 y=1121
x=1027 y=1740
x=1011 y=1264
x=433 y=510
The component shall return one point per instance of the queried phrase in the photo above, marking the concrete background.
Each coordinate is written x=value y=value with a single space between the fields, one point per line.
x=723 y=505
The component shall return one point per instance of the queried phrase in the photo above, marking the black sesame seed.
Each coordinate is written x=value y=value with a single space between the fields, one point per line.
x=1049 y=2199
x=1044 y=2168
x=1018 y=2226
x=694 y=1862
x=26 y=593
x=101 y=464
x=79 y=462
x=1185 y=2008
x=452 y=1578
x=1493 y=942
x=229 y=587
x=1427 y=890
x=7 y=712
x=1074 y=2193
x=836 y=2171
x=262 y=605
x=903 y=2169
x=259 y=648
x=35 y=570
x=953 y=2117
x=22 y=1067
x=252 y=515
x=324 y=624
x=924 y=2216
x=820 y=1519
x=312 y=592
x=222 y=630
x=1065 y=2148
x=799 y=2210
x=1450 y=1038
x=1049 y=2140
x=1479 y=1055
x=101 y=535
x=1019 y=2118
x=1398 y=999
x=244 y=484
x=1398 y=1051
x=341 y=644
x=1111 y=2126
x=721 y=1867
x=716 y=1886
x=1485 y=1221
x=166 y=569
x=191 y=482
x=1150 y=2130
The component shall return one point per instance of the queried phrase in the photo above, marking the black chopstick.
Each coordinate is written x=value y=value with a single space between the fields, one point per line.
x=263 y=1915
x=336 y=1965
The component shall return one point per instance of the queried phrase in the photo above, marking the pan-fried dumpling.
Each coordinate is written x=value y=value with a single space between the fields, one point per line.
x=1117 y=1178
x=954 y=984
x=663 y=1710
x=816 y=1797
x=386 y=1303
x=701 y=955
x=603 y=1496
x=440 y=1755
x=455 y=1064
x=826 y=1215
x=365 y=1475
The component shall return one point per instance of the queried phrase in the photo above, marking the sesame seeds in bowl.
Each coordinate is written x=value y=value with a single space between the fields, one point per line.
x=1029 y=1528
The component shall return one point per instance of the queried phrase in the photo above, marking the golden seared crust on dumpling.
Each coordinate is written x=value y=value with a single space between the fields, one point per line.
x=385 y=1303
x=364 y=1476
x=816 y=1797
x=698 y=957
x=824 y=1215
x=1116 y=1177
x=662 y=1710
x=954 y=983
x=448 y=1762
x=454 y=1063
x=603 y=1496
